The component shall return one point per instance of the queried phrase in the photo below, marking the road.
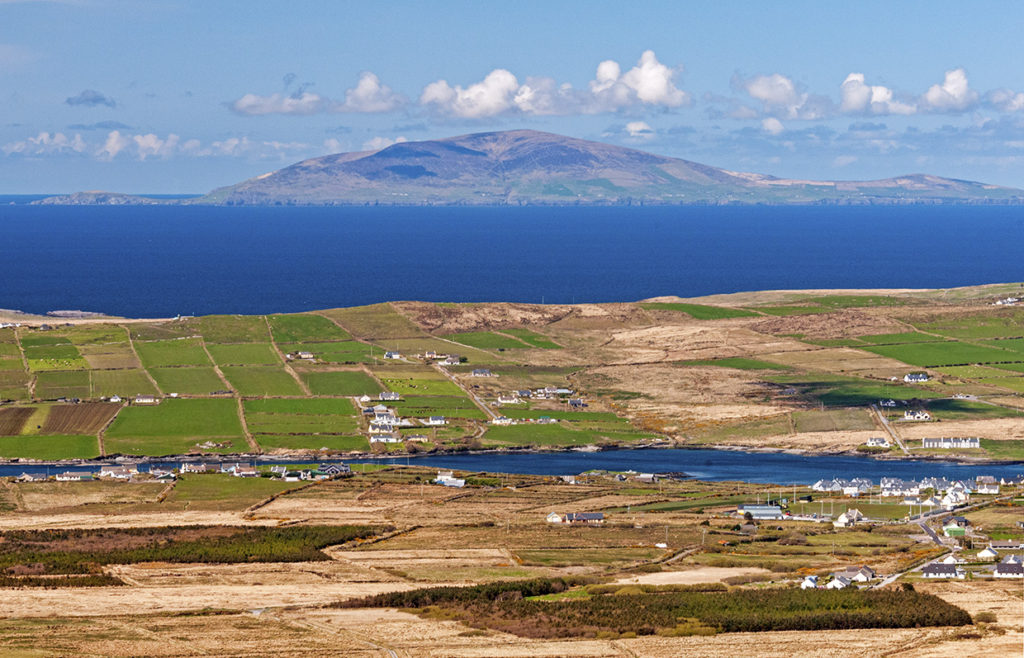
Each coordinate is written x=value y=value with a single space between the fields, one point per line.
x=473 y=396
x=888 y=428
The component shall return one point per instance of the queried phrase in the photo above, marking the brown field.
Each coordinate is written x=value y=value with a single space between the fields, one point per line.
x=83 y=418
x=39 y=497
x=12 y=419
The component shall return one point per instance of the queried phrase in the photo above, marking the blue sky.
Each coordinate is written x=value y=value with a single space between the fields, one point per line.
x=181 y=96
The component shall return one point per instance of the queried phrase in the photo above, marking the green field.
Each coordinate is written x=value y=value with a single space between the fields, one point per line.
x=997 y=323
x=947 y=353
x=895 y=339
x=172 y=418
x=418 y=406
x=224 y=492
x=1013 y=367
x=54 y=356
x=539 y=435
x=700 y=311
x=972 y=372
x=375 y=322
x=1015 y=384
x=1014 y=344
x=340 y=382
x=43 y=340
x=411 y=386
x=182 y=352
x=832 y=420
x=739 y=363
x=14 y=384
x=94 y=334
x=261 y=380
x=968 y=410
x=300 y=416
x=187 y=381
x=1007 y=449
x=34 y=446
x=839 y=391
x=533 y=338
x=288 y=442
x=305 y=327
x=346 y=351
x=244 y=354
x=62 y=384
x=232 y=328
x=784 y=311
x=487 y=340
x=120 y=382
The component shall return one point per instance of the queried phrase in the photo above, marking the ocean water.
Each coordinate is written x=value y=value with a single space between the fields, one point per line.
x=161 y=261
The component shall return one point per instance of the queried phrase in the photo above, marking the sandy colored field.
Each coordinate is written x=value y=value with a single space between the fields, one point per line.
x=823 y=442
x=39 y=496
x=298 y=574
x=691 y=576
x=130 y=520
x=994 y=428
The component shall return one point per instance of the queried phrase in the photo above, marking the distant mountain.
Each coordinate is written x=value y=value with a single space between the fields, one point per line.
x=529 y=167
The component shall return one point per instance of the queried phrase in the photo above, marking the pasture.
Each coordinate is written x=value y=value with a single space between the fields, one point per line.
x=62 y=384
x=340 y=382
x=182 y=352
x=49 y=448
x=305 y=327
x=231 y=328
x=736 y=362
x=338 y=443
x=416 y=386
x=187 y=381
x=300 y=416
x=243 y=354
x=118 y=355
x=261 y=380
x=346 y=351
x=377 y=321
x=14 y=384
x=487 y=340
x=1004 y=322
x=699 y=311
x=420 y=406
x=533 y=338
x=178 y=418
x=125 y=383
x=948 y=353
x=840 y=391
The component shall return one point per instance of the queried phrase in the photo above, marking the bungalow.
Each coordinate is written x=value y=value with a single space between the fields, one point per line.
x=31 y=477
x=389 y=396
x=452 y=360
x=916 y=414
x=887 y=403
x=481 y=372
x=546 y=420
x=430 y=354
x=309 y=356
x=197 y=468
x=416 y=438
x=912 y=500
x=584 y=518
x=950 y=443
x=856 y=574
x=384 y=438
x=74 y=477
x=365 y=400
x=381 y=427
x=988 y=554
x=761 y=512
x=915 y=377
x=1007 y=544
x=502 y=420
x=146 y=399
x=839 y=582
x=848 y=519
x=244 y=471
x=987 y=488
x=952 y=559
x=899 y=487
x=1008 y=570
x=810 y=582
x=118 y=472
x=938 y=570
x=524 y=393
x=577 y=403
x=877 y=442
x=509 y=399
x=1012 y=559
x=335 y=469
x=115 y=398
x=392 y=355
x=954 y=498
x=448 y=479
x=435 y=421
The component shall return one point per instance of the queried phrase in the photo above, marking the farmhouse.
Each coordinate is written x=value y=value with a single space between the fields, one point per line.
x=916 y=414
x=915 y=377
x=1007 y=544
x=392 y=355
x=197 y=468
x=335 y=469
x=761 y=512
x=147 y=399
x=448 y=479
x=938 y=570
x=309 y=356
x=848 y=519
x=452 y=360
x=950 y=443
x=856 y=574
x=502 y=420
x=509 y=399
x=73 y=477
x=481 y=372
x=988 y=553
x=1008 y=570
x=384 y=438
x=839 y=582
x=576 y=518
x=388 y=396
x=118 y=472
x=877 y=442
x=435 y=421
x=810 y=582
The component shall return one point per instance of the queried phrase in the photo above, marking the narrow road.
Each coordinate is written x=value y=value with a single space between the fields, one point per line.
x=931 y=533
x=888 y=428
x=476 y=400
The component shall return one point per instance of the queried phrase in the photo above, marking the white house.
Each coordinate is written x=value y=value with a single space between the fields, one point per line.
x=387 y=396
x=810 y=582
x=916 y=414
x=950 y=443
x=988 y=553
x=877 y=442
x=448 y=479
x=118 y=472
x=839 y=582
x=509 y=399
x=502 y=420
x=915 y=377
x=435 y=421
x=952 y=559
x=1008 y=570
x=989 y=488
x=146 y=399
x=481 y=372
x=938 y=570
x=848 y=519
x=392 y=355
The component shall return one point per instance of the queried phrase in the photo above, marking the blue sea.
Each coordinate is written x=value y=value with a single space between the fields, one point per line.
x=150 y=261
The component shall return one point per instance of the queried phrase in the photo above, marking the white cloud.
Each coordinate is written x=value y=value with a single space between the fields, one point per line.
x=953 y=95
x=115 y=143
x=772 y=126
x=491 y=96
x=370 y=96
x=46 y=144
x=332 y=145
x=1005 y=100
x=151 y=145
x=649 y=82
x=639 y=129
x=303 y=103
x=843 y=160
x=378 y=143
x=859 y=97
x=781 y=98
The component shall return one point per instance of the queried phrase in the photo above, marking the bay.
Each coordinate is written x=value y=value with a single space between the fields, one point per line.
x=159 y=261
